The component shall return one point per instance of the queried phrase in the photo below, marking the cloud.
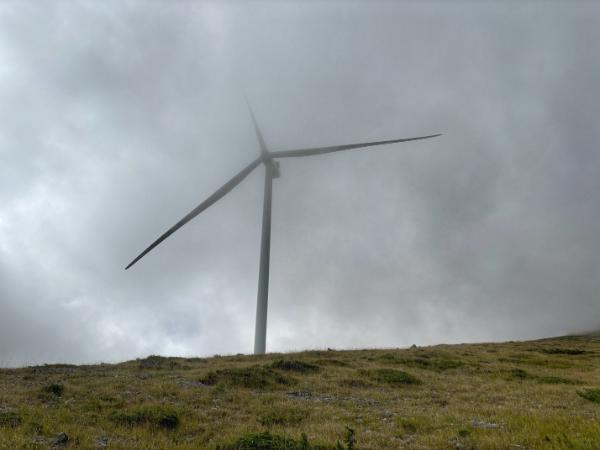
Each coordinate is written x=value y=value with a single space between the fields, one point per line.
x=118 y=118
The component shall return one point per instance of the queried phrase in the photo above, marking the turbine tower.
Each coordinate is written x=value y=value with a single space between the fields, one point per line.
x=269 y=159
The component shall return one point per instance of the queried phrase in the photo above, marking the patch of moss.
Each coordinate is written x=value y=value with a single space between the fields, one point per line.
x=556 y=380
x=159 y=417
x=409 y=427
x=51 y=391
x=268 y=441
x=130 y=418
x=55 y=368
x=294 y=365
x=195 y=359
x=253 y=377
x=562 y=351
x=392 y=376
x=424 y=360
x=9 y=419
x=521 y=374
x=157 y=362
x=355 y=383
x=464 y=433
x=281 y=416
x=534 y=360
x=334 y=362
x=593 y=395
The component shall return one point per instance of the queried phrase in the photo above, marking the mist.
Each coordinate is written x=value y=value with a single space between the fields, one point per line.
x=118 y=118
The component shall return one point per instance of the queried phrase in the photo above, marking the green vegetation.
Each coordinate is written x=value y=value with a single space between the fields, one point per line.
x=294 y=365
x=392 y=376
x=540 y=395
x=593 y=395
x=54 y=389
x=158 y=362
x=281 y=416
x=563 y=351
x=422 y=359
x=157 y=416
x=268 y=441
x=9 y=419
x=253 y=377
x=521 y=374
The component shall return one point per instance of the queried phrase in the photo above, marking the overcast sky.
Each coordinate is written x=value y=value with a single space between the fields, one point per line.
x=117 y=118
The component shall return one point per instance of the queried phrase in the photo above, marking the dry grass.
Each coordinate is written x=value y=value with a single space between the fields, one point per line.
x=541 y=395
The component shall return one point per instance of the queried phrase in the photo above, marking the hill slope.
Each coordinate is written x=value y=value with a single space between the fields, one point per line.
x=537 y=394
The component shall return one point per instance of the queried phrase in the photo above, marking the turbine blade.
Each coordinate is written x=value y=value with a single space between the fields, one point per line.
x=261 y=141
x=218 y=194
x=337 y=148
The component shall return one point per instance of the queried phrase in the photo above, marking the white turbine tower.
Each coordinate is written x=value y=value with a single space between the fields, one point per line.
x=268 y=158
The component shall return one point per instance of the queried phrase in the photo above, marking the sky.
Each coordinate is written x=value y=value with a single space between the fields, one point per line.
x=117 y=118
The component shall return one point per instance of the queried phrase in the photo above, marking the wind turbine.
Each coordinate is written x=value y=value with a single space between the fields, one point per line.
x=268 y=158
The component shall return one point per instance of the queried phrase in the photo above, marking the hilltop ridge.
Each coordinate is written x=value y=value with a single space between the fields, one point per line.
x=535 y=394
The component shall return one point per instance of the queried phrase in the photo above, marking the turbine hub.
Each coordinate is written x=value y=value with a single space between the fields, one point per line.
x=275 y=165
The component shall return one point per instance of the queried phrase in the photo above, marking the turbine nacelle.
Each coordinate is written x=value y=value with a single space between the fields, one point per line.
x=275 y=173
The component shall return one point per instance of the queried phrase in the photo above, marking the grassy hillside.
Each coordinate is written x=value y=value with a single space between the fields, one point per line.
x=540 y=394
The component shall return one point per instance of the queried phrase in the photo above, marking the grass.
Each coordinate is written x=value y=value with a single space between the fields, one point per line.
x=9 y=419
x=391 y=376
x=294 y=365
x=53 y=389
x=282 y=416
x=520 y=374
x=154 y=416
x=253 y=377
x=593 y=395
x=562 y=351
x=540 y=394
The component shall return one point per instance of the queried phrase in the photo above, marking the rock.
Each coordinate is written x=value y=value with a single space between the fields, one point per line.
x=61 y=439
x=300 y=394
x=102 y=441
x=481 y=424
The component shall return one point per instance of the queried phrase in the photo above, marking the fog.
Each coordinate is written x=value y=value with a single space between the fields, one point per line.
x=117 y=118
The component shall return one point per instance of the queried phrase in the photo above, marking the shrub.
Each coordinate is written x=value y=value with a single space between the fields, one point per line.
x=168 y=420
x=54 y=389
